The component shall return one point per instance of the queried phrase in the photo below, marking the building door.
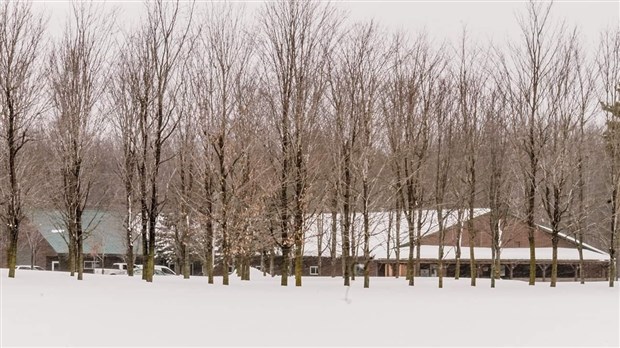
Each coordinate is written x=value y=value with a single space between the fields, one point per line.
x=55 y=265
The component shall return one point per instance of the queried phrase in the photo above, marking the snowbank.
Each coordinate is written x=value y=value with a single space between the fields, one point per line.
x=52 y=309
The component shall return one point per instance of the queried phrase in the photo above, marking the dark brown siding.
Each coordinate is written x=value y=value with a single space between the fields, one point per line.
x=514 y=235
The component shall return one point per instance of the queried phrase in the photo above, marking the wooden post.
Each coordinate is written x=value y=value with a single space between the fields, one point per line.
x=576 y=269
x=543 y=268
x=511 y=268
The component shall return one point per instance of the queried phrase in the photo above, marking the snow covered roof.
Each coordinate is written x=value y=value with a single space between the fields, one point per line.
x=432 y=252
x=381 y=223
x=572 y=239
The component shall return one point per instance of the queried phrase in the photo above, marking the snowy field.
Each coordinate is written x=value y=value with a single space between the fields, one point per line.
x=52 y=309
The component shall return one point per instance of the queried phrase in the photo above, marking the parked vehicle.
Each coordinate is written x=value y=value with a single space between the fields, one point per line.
x=28 y=267
x=165 y=270
x=138 y=271
x=162 y=269
x=123 y=266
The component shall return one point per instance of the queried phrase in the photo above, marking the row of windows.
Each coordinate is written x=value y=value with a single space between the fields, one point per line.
x=359 y=269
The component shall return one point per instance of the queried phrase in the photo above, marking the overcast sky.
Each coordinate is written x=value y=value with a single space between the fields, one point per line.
x=485 y=20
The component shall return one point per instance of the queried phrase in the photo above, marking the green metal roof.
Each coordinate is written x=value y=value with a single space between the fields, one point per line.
x=104 y=231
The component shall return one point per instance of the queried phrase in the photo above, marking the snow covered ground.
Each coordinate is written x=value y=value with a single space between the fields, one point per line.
x=52 y=309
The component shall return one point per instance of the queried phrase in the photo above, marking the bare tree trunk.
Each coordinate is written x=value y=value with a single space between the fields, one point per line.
x=319 y=242
x=440 y=266
x=263 y=264
x=366 y=218
x=271 y=263
x=346 y=222
x=80 y=245
x=397 y=234
x=334 y=231
x=418 y=243
x=20 y=36
x=457 y=254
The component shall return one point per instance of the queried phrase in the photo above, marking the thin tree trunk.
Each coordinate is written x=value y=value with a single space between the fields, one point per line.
x=442 y=234
x=80 y=245
x=418 y=243
x=473 y=266
x=129 y=235
x=346 y=222
x=319 y=242
x=612 y=249
x=334 y=230
x=263 y=264
x=459 y=232
x=493 y=267
x=397 y=234
x=208 y=188
x=554 y=257
x=531 y=205
x=365 y=198
x=272 y=263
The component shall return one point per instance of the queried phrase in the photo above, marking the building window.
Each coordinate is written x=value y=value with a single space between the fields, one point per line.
x=314 y=270
x=91 y=264
x=359 y=269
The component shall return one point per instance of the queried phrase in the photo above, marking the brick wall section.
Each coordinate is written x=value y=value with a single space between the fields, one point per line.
x=514 y=235
x=326 y=268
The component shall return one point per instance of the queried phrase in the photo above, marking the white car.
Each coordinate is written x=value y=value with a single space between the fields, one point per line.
x=28 y=267
x=122 y=266
x=159 y=270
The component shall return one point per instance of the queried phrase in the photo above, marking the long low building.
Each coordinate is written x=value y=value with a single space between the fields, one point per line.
x=44 y=243
x=389 y=249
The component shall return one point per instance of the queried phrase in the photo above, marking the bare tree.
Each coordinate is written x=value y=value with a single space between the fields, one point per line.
x=411 y=97
x=346 y=88
x=249 y=189
x=528 y=78
x=585 y=94
x=185 y=146
x=125 y=110
x=20 y=43
x=161 y=48
x=496 y=151
x=227 y=47
x=471 y=81
x=558 y=160
x=76 y=68
x=443 y=148
x=297 y=36
x=368 y=71
x=395 y=89
x=34 y=240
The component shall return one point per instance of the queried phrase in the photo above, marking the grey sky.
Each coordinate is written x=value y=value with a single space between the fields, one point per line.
x=442 y=19
x=483 y=18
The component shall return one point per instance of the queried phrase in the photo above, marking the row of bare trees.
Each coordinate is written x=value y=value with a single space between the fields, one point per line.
x=239 y=132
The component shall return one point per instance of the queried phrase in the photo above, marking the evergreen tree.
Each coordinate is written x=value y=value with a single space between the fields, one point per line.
x=612 y=139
